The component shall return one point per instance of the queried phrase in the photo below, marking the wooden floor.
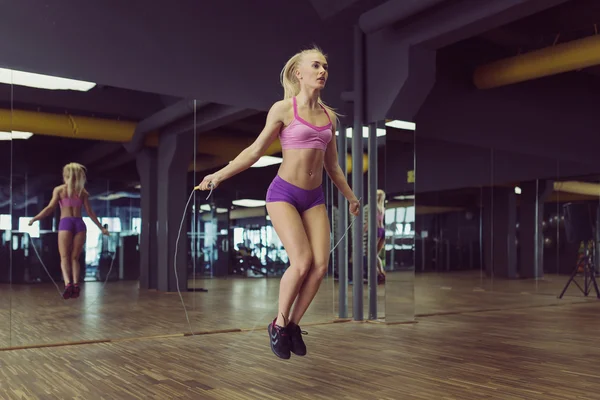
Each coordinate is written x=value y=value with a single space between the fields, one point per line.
x=35 y=314
x=546 y=352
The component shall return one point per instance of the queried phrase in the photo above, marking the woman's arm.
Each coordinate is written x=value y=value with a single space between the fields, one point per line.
x=90 y=212
x=49 y=209
x=252 y=153
x=335 y=172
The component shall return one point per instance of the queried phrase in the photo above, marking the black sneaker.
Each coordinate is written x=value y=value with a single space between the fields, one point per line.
x=68 y=292
x=280 y=340
x=297 y=345
x=76 y=290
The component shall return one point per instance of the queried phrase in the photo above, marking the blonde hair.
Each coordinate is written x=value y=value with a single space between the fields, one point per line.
x=291 y=85
x=74 y=177
x=380 y=200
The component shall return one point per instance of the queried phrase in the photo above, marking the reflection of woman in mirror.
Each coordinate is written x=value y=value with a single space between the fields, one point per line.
x=71 y=196
x=295 y=201
x=380 y=233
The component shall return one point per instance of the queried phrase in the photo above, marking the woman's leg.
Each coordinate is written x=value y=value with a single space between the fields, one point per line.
x=78 y=243
x=380 y=245
x=65 y=237
x=64 y=248
x=316 y=224
x=290 y=229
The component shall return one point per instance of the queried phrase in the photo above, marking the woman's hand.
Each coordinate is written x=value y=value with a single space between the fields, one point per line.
x=31 y=221
x=354 y=207
x=207 y=181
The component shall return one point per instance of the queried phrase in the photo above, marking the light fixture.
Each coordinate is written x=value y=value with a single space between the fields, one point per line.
x=116 y=196
x=398 y=124
x=517 y=190
x=365 y=132
x=14 y=135
x=39 y=81
x=409 y=197
x=265 y=161
x=206 y=207
x=249 y=203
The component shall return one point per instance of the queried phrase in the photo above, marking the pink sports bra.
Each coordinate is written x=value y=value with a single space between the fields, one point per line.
x=300 y=134
x=74 y=201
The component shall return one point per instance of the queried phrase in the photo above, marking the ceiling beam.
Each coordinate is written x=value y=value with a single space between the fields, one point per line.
x=163 y=118
x=209 y=118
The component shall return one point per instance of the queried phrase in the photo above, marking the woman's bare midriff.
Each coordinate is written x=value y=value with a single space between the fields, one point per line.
x=67 y=212
x=302 y=167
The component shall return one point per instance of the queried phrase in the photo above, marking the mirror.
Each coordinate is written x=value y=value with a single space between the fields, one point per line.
x=452 y=198
x=122 y=291
x=6 y=223
x=571 y=234
x=400 y=221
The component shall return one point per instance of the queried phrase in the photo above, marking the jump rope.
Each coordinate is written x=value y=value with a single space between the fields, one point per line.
x=174 y=262
x=211 y=187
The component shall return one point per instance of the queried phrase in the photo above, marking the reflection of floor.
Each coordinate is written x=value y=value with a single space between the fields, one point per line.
x=538 y=353
x=39 y=316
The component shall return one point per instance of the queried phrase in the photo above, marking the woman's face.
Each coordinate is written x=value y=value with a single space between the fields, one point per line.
x=312 y=70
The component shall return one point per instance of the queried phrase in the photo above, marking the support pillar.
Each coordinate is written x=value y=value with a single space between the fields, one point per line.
x=357 y=175
x=372 y=231
x=531 y=239
x=499 y=232
x=174 y=157
x=342 y=248
x=146 y=162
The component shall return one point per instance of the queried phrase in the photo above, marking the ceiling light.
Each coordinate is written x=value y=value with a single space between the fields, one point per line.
x=265 y=161
x=206 y=207
x=39 y=81
x=398 y=124
x=116 y=196
x=517 y=190
x=409 y=197
x=249 y=203
x=365 y=132
x=14 y=135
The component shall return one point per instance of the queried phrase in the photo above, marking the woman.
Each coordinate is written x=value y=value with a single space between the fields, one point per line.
x=70 y=196
x=295 y=200
x=380 y=233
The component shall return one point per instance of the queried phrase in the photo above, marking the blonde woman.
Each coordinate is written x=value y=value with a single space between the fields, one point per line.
x=71 y=196
x=295 y=202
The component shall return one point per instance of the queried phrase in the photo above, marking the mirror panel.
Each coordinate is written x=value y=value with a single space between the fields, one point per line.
x=6 y=223
x=123 y=291
x=400 y=220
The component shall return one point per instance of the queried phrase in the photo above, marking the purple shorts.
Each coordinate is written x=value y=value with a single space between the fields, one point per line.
x=302 y=199
x=72 y=224
x=380 y=232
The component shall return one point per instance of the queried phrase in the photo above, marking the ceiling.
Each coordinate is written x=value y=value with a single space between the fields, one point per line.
x=40 y=158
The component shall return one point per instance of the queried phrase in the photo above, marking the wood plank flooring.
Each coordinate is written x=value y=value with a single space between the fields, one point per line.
x=532 y=353
x=36 y=315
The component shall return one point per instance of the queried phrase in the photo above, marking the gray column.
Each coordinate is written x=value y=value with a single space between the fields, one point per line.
x=357 y=176
x=342 y=225
x=372 y=231
x=174 y=157
x=146 y=161
x=531 y=239
x=499 y=224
